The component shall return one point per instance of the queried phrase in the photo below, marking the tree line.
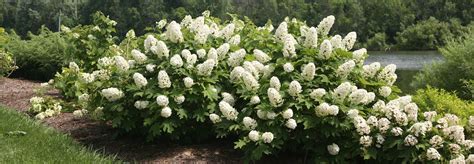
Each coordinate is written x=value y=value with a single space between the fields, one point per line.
x=380 y=24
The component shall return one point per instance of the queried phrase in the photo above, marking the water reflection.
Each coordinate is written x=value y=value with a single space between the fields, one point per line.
x=406 y=60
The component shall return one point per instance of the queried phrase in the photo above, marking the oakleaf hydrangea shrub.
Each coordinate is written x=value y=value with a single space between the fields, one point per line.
x=293 y=86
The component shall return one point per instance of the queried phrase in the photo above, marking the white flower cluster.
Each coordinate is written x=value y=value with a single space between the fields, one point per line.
x=343 y=90
x=73 y=66
x=333 y=149
x=237 y=57
x=163 y=79
x=179 y=99
x=388 y=75
x=294 y=88
x=345 y=69
x=121 y=63
x=249 y=123
x=359 y=55
x=325 y=109
x=139 y=57
x=309 y=70
x=288 y=67
x=317 y=94
x=325 y=50
x=176 y=61
x=325 y=25
x=361 y=96
x=274 y=97
x=79 y=113
x=311 y=38
x=215 y=118
x=369 y=71
x=289 y=46
x=349 y=40
x=281 y=31
x=261 y=56
x=205 y=69
x=173 y=32
x=141 y=104
x=166 y=112
x=228 y=111
x=139 y=80
x=112 y=94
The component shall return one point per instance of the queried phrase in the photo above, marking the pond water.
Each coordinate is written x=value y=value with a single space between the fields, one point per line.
x=409 y=63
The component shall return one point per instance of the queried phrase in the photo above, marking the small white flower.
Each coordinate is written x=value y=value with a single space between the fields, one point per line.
x=436 y=141
x=161 y=24
x=267 y=137
x=333 y=149
x=254 y=100
x=274 y=97
x=282 y=30
x=291 y=123
x=141 y=104
x=311 y=40
x=166 y=112
x=112 y=94
x=162 y=100
x=261 y=56
x=138 y=56
x=40 y=116
x=149 y=42
x=161 y=50
x=349 y=40
x=254 y=136
x=295 y=88
x=228 y=111
x=317 y=94
x=430 y=116
x=215 y=118
x=249 y=123
x=188 y=82
x=173 y=32
x=288 y=67
x=325 y=50
x=309 y=71
x=227 y=97
x=385 y=91
x=121 y=63
x=410 y=140
x=176 y=61
x=287 y=114
x=365 y=141
x=73 y=66
x=325 y=25
x=205 y=69
x=179 y=99
x=140 y=80
x=271 y=115
x=163 y=79
x=345 y=69
x=336 y=41
x=275 y=83
x=235 y=40
x=49 y=112
x=150 y=67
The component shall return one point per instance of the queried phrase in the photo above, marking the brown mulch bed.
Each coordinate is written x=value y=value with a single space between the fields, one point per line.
x=15 y=93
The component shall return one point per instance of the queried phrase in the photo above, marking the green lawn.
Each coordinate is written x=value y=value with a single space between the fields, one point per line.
x=40 y=144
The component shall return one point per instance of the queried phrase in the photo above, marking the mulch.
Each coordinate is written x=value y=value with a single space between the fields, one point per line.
x=15 y=93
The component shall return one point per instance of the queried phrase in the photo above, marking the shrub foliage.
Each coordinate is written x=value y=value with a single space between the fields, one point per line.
x=289 y=87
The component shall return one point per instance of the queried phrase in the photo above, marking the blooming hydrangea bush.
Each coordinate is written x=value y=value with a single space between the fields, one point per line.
x=274 y=88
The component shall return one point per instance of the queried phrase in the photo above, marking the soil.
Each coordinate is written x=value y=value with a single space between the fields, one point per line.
x=15 y=93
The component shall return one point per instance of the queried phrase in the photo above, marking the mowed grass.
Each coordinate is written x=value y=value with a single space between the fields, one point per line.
x=40 y=144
